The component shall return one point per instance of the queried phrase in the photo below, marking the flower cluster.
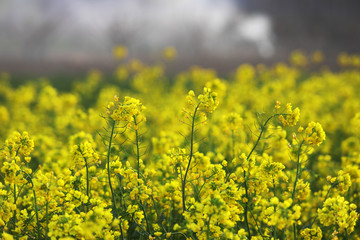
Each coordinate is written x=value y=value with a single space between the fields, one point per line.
x=84 y=152
x=207 y=101
x=130 y=111
x=18 y=145
x=337 y=212
x=315 y=134
x=290 y=117
x=311 y=233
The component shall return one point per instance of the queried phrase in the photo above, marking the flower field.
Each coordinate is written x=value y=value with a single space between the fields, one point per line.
x=266 y=152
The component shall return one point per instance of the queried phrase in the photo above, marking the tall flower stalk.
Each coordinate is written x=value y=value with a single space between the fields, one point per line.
x=205 y=103
x=112 y=127
x=83 y=154
x=288 y=118
x=129 y=115
x=314 y=135
x=190 y=157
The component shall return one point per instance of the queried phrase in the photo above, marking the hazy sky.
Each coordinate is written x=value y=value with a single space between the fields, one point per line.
x=85 y=29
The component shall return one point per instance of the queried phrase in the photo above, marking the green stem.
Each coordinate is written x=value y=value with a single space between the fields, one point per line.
x=298 y=167
x=156 y=211
x=138 y=170
x=171 y=206
x=87 y=179
x=35 y=205
x=190 y=156
x=326 y=196
x=108 y=169
x=275 y=229
x=137 y=148
x=47 y=217
x=233 y=143
x=346 y=234
x=208 y=228
x=262 y=130
x=121 y=231
x=14 y=213
x=246 y=207
x=36 y=211
x=257 y=224
x=232 y=155
x=145 y=216
x=87 y=185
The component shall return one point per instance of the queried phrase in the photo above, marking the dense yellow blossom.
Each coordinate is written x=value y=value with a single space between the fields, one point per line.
x=339 y=213
x=218 y=158
x=19 y=144
x=311 y=234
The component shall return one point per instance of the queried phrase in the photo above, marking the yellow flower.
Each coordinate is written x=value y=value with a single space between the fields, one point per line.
x=277 y=106
x=208 y=100
x=4 y=115
x=129 y=112
x=290 y=117
x=298 y=58
x=7 y=236
x=158 y=234
x=169 y=53
x=120 y=52
x=232 y=123
x=317 y=57
x=19 y=144
x=337 y=212
x=311 y=233
x=315 y=134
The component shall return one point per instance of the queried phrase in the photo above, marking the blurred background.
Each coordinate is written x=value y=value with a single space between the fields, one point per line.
x=47 y=37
